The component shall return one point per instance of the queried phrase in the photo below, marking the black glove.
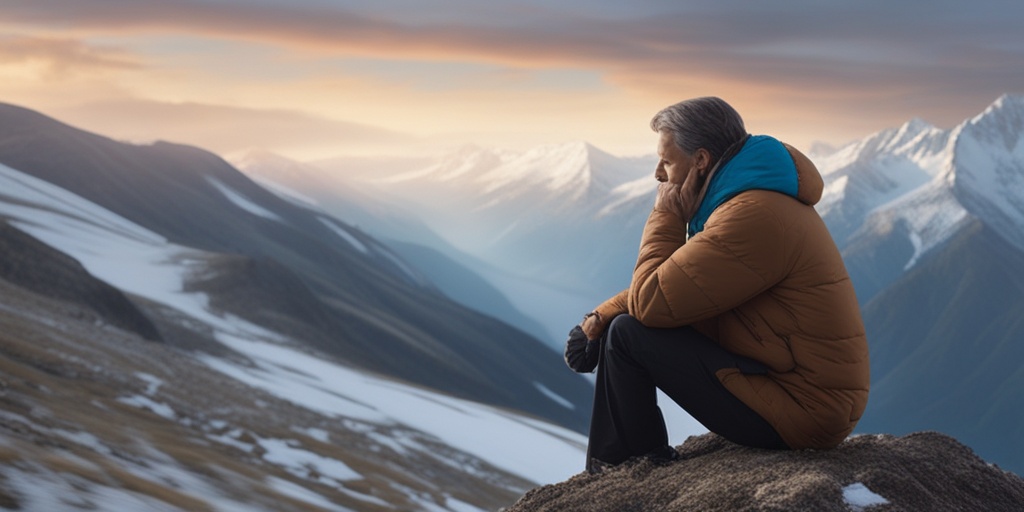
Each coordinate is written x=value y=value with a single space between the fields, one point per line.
x=581 y=354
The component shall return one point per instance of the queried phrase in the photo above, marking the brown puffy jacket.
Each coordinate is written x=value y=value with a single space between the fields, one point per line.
x=765 y=280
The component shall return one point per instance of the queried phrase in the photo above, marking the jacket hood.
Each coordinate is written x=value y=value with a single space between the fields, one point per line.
x=762 y=163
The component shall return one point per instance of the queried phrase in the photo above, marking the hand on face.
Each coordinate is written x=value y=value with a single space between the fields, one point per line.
x=682 y=177
x=680 y=199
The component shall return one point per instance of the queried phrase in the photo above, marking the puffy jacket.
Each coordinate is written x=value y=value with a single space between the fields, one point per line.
x=761 y=275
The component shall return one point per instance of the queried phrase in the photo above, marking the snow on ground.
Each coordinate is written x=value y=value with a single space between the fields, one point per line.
x=534 y=450
x=301 y=493
x=859 y=497
x=345 y=235
x=558 y=399
x=243 y=202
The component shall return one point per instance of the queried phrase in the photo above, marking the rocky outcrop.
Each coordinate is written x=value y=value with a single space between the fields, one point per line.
x=31 y=264
x=873 y=473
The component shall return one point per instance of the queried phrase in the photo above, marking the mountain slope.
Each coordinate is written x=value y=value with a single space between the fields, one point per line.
x=539 y=214
x=96 y=418
x=29 y=263
x=936 y=261
x=449 y=269
x=946 y=351
x=189 y=206
x=554 y=228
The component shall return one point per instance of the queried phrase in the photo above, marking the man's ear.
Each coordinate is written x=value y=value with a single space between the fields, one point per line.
x=702 y=160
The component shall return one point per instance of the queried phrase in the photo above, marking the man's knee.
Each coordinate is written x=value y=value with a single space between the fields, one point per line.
x=621 y=331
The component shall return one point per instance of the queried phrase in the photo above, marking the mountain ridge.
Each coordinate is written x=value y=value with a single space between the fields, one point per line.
x=187 y=198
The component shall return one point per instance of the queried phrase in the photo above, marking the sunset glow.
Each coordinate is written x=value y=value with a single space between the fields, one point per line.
x=318 y=78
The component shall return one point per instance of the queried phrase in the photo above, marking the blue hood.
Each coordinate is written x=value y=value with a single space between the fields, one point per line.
x=763 y=163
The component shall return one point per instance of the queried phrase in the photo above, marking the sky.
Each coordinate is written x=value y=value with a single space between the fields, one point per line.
x=313 y=79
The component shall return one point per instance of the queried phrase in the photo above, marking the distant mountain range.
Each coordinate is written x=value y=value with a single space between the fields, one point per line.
x=899 y=203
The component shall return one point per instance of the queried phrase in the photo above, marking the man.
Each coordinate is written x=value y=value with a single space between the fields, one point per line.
x=740 y=308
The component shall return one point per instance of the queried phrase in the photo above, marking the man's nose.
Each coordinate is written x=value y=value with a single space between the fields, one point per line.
x=660 y=174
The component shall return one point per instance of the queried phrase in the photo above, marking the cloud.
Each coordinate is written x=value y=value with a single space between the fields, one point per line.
x=864 y=65
x=225 y=129
x=62 y=56
x=791 y=43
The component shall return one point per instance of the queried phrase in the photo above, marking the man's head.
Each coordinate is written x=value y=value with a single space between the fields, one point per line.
x=694 y=135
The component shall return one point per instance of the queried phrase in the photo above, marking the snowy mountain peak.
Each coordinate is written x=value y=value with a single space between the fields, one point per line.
x=931 y=178
x=570 y=171
x=1002 y=123
x=988 y=177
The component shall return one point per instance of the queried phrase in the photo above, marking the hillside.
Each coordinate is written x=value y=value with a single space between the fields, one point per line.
x=94 y=417
x=183 y=220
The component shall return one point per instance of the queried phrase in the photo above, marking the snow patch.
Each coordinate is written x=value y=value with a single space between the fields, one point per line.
x=300 y=493
x=345 y=235
x=144 y=402
x=241 y=201
x=859 y=497
x=153 y=383
x=558 y=399
x=305 y=464
x=542 y=453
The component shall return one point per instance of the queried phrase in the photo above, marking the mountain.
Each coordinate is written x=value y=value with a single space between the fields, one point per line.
x=297 y=271
x=93 y=416
x=453 y=272
x=946 y=347
x=534 y=212
x=929 y=222
x=555 y=228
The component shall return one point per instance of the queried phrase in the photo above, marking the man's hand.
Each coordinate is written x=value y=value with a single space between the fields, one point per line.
x=669 y=199
x=681 y=200
x=581 y=354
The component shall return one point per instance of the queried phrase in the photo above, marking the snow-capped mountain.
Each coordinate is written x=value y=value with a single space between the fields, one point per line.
x=930 y=223
x=900 y=193
x=454 y=272
x=989 y=167
x=555 y=228
x=533 y=212
x=870 y=173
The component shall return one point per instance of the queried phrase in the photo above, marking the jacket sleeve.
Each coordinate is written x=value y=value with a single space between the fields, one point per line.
x=738 y=255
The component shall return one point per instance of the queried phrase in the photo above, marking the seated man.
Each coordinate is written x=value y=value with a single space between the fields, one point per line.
x=740 y=308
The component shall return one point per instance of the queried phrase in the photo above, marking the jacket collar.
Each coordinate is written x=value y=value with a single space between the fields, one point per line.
x=757 y=162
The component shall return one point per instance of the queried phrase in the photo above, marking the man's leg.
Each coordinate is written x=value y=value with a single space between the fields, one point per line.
x=682 y=362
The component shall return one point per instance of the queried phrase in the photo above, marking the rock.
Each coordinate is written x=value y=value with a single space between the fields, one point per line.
x=872 y=473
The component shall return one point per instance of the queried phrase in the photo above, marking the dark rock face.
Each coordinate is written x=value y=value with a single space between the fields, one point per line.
x=31 y=264
x=919 y=471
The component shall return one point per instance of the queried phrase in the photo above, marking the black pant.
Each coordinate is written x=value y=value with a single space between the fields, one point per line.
x=635 y=360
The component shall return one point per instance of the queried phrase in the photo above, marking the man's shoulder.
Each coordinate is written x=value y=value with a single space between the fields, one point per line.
x=760 y=210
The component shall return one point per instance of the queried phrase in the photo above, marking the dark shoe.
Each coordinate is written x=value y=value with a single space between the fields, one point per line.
x=596 y=467
x=664 y=455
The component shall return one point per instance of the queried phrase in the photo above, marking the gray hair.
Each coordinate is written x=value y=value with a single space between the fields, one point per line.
x=707 y=122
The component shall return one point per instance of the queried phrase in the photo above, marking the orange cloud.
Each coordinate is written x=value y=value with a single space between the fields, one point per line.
x=62 y=56
x=841 y=69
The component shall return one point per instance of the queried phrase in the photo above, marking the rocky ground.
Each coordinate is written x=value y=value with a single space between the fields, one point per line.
x=96 y=417
x=925 y=471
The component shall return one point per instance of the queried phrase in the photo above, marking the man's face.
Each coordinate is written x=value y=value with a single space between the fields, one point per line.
x=673 y=164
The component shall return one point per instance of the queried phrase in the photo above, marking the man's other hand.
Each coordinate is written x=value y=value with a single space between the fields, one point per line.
x=581 y=354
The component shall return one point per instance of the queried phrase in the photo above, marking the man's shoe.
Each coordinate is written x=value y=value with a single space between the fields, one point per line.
x=596 y=467
x=664 y=455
